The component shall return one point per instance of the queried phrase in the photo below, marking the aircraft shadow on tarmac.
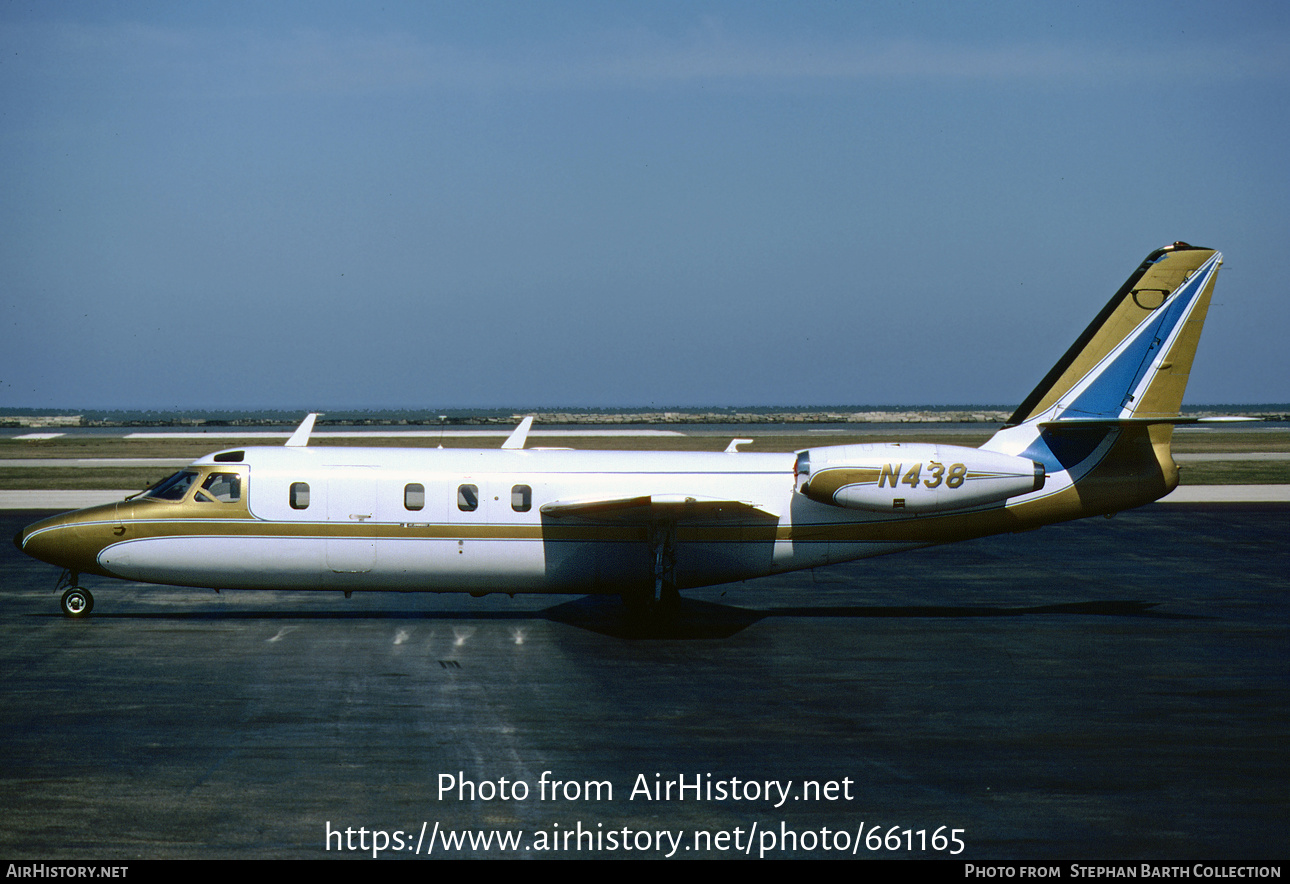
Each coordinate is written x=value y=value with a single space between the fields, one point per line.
x=695 y=619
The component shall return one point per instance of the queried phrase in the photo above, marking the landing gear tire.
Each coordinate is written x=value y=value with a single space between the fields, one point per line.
x=668 y=606
x=642 y=608
x=77 y=602
x=638 y=604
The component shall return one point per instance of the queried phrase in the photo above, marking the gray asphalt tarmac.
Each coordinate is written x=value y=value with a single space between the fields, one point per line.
x=1108 y=689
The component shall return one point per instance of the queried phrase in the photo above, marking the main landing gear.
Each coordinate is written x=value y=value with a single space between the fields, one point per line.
x=658 y=603
x=76 y=602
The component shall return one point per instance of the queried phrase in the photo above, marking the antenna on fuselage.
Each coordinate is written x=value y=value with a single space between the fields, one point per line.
x=300 y=438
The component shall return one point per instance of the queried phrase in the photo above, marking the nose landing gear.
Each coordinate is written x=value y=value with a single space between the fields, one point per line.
x=76 y=602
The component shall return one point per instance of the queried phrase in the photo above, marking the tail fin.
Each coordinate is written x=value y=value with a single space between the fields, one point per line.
x=1133 y=361
x=1102 y=420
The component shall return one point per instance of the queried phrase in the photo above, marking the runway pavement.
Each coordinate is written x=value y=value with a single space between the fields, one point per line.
x=1110 y=689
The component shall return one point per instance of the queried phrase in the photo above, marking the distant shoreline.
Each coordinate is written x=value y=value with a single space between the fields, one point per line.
x=590 y=417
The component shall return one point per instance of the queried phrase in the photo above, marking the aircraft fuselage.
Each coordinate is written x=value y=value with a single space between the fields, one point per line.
x=486 y=520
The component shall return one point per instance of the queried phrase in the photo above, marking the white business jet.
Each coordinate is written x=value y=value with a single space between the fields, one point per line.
x=1093 y=438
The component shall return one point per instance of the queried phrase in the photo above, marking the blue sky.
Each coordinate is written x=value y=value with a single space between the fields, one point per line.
x=313 y=205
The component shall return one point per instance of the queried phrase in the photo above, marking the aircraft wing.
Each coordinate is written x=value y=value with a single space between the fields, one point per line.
x=520 y=434
x=656 y=506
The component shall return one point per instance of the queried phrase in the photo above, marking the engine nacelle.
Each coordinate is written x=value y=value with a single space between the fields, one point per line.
x=913 y=477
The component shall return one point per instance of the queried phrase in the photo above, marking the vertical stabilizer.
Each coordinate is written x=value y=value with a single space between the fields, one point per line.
x=1101 y=421
x=1133 y=361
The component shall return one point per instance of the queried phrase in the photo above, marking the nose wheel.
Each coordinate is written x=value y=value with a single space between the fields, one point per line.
x=77 y=602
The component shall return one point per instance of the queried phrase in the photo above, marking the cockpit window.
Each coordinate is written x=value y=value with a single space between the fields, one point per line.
x=173 y=488
x=224 y=487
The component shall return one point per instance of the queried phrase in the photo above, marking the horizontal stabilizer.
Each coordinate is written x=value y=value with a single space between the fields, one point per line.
x=1122 y=421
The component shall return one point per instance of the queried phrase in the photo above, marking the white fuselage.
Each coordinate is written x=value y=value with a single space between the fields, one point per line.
x=472 y=520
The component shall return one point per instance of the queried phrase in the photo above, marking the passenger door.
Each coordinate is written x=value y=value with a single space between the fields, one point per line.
x=351 y=520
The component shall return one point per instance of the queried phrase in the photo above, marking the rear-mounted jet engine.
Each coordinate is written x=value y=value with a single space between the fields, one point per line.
x=914 y=477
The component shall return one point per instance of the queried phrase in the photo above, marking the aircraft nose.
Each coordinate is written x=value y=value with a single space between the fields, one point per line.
x=53 y=540
x=69 y=540
x=32 y=546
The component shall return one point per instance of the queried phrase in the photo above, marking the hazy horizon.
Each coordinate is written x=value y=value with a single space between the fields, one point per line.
x=430 y=413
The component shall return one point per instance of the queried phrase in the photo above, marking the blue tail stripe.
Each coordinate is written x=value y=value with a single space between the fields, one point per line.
x=1067 y=448
x=1106 y=395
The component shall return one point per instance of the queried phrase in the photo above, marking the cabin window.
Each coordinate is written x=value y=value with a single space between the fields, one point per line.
x=299 y=495
x=172 y=488
x=224 y=487
x=521 y=498
x=230 y=456
x=467 y=498
x=414 y=496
